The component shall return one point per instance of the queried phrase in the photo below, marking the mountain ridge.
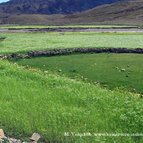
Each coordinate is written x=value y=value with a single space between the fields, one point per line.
x=121 y=12
x=128 y=12
x=50 y=6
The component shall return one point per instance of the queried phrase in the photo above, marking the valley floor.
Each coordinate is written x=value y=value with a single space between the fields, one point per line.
x=24 y=42
x=36 y=101
x=63 y=98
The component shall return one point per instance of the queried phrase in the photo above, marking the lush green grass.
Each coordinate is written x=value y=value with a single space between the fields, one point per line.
x=113 y=70
x=35 y=101
x=66 y=26
x=21 y=42
x=32 y=100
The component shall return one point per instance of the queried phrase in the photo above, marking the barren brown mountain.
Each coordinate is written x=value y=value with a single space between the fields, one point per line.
x=50 y=6
x=125 y=12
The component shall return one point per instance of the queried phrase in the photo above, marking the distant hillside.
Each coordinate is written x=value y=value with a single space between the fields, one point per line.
x=130 y=12
x=50 y=6
x=121 y=12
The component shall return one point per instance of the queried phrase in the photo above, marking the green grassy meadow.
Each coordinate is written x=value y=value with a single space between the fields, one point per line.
x=23 y=42
x=64 y=97
x=109 y=70
x=36 y=101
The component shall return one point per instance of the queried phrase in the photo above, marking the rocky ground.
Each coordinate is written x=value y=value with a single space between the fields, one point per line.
x=5 y=139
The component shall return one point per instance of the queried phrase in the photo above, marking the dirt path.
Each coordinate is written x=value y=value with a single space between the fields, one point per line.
x=114 y=30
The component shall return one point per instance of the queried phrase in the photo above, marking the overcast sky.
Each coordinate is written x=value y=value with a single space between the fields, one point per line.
x=3 y=1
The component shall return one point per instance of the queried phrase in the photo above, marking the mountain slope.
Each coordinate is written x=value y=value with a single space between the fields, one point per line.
x=50 y=6
x=120 y=12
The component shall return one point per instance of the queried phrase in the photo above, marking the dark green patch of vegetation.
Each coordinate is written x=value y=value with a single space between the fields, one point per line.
x=2 y=39
x=111 y=70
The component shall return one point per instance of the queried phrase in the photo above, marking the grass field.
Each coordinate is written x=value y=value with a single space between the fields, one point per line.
x=111 y=70
x=36 y=101
x=40 y=97
x=22 y=42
